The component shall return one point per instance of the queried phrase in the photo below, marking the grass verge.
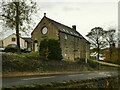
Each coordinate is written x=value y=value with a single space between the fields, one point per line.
x=32 y=64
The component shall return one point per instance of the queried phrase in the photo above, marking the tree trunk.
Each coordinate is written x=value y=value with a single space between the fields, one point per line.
x=17 y=27
x=98 y=50
x=110 y=52
x=98 y=53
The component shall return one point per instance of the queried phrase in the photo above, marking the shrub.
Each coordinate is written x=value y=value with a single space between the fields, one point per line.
x=50 y=49
x=114 y=58
x=93 y=64
x=31 y=55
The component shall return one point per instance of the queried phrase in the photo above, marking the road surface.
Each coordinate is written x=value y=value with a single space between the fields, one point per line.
x=28 y=80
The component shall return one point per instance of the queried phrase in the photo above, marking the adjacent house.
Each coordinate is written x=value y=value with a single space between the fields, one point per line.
x=72 y=43
x=11 y=39
x=28 y=43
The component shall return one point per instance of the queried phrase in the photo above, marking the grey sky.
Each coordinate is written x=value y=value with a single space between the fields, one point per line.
x=85 y=14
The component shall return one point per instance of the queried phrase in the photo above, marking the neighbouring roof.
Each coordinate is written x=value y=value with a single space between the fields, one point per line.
x=27 y=39
x=8 y=36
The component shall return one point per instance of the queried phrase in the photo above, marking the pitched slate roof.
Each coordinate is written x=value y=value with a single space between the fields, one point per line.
x=65 y=29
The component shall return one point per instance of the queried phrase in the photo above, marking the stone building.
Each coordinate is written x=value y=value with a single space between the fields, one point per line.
x=72 y=43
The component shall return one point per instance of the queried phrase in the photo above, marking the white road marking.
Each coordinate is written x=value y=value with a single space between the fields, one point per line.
x=103 y=73
x=108 y=75
x=38 y=78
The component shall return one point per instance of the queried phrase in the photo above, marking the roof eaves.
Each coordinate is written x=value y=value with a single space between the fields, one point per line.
x=37 y=25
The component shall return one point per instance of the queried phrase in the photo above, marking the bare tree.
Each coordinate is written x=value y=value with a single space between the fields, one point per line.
x=96 y=39
x=16 y=15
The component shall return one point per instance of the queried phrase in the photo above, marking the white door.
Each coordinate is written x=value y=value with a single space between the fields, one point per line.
x=36 y=47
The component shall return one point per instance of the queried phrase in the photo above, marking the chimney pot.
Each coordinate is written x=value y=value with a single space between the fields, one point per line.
x=45 y=14
x=74 y=27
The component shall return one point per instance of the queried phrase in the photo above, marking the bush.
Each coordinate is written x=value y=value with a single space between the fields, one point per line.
x=93 y=64
x=31 y=55
x=114 y=58
x=50 y=49
x=80 y=61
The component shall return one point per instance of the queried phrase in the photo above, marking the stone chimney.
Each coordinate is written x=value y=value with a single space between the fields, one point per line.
x=44 y=14
x=74 y=27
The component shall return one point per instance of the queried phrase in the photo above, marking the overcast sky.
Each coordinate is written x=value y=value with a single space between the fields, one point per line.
x=85 y=14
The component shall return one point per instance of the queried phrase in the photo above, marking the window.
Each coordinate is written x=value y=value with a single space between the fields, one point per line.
x=66 y=37
x=63 y=29
x=65 y=54
x=13 y=39
x=67 y=31
x=71 y=33
x=44 y=30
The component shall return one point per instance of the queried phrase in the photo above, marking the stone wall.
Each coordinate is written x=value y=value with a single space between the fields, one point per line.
x=37 y=36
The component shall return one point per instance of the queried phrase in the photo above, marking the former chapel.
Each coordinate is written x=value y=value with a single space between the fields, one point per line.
x=72 y=43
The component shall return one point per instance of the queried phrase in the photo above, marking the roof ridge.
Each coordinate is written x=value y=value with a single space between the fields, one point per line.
x=58 y=22
x=64 y=28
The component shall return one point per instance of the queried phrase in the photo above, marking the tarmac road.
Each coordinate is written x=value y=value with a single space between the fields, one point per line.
x=29 y=80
